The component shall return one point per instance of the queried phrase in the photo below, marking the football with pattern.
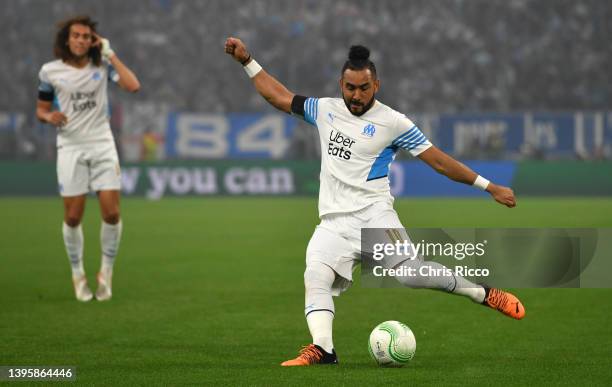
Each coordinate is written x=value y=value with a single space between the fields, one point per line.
x=392 y=344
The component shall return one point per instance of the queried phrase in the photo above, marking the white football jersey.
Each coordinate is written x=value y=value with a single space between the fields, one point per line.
x=356 y=151
x=81 y=94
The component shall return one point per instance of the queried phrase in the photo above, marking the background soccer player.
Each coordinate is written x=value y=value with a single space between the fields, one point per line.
x=73 y=98
x=359 y=139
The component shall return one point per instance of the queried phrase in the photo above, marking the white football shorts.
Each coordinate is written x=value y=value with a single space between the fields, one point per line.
x=88 y=167
x=336 y=241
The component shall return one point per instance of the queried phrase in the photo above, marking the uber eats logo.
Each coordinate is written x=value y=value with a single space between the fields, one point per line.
x=339 y=145
x=82 y=101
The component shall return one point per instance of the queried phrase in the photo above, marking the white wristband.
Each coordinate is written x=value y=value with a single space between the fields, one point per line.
x=481 y=183
x=253 y=68
x=106 y=50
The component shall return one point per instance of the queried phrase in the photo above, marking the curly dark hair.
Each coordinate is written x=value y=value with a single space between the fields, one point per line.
x=61 y=49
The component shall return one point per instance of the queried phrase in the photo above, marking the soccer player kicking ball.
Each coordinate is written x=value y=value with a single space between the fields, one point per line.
x=76 y=83
x=359 y=138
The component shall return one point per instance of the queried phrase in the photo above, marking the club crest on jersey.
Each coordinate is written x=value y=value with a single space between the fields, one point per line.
x=369 y=130
x=96 y=76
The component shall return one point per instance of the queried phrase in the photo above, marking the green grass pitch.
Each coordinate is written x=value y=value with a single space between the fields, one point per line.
x=209 y=291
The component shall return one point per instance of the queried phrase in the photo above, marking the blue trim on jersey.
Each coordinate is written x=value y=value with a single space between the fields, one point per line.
x=45 y=87
x=112 y=73
x=56 y=104
x=412 y=142
x=407 y=133
x=411 y=139
x=381 y=165
x=311 y=110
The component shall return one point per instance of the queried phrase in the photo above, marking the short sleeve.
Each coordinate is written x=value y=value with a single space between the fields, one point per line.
x=410 y=137
x=306 y=107
x=112 y=74
x=45 y=88
x=311 y=110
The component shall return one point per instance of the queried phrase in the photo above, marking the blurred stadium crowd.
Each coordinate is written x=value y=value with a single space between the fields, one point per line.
x=432 y=56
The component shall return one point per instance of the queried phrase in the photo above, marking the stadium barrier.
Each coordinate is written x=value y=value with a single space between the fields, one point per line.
x=286 y=178
x=491 y=136
x=564 y=178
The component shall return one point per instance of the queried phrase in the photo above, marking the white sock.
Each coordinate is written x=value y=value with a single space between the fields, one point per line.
x=469 y=289
x=320 y=323
x=453 y=284
x=319 y=310
x=73 y=241
x=110 y=236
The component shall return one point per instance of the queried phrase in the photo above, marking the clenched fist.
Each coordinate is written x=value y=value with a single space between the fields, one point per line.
x=237 y=49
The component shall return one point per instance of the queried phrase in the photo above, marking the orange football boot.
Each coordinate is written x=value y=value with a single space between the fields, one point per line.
x=505 y=302
x=310 y=355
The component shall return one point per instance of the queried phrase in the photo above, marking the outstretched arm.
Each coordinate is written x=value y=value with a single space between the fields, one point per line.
x=457 y=171
x=271 y=89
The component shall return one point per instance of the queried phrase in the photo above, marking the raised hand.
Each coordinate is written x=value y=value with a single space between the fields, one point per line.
x=237 y=49
x=104 y=44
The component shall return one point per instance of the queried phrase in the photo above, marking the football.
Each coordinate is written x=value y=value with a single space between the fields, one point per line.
x=392 y=344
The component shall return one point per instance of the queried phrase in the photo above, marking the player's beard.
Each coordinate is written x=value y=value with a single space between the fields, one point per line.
x=365 y=108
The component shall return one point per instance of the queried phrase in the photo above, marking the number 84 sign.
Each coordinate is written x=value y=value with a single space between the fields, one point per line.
x=192 y=135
